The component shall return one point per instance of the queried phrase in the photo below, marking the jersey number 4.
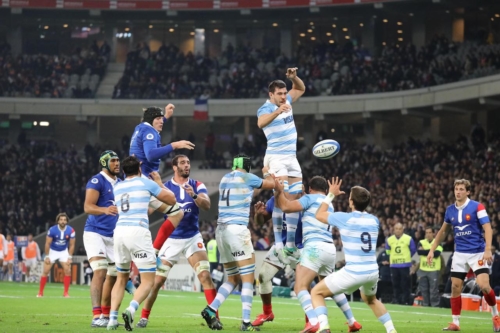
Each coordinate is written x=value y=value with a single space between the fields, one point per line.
x=225 y=197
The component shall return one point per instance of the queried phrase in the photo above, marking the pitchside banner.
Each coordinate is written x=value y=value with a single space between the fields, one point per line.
x=179 y=4
x=57 y=273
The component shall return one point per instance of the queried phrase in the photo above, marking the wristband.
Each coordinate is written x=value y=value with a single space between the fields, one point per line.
x=267 y=174
x=70 y=257
x=329 y=198
x=195 y=196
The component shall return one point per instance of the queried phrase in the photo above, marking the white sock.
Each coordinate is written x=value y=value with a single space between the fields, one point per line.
x=389 y=326
x=456 y=320
x=494 y=311
x=323 y=322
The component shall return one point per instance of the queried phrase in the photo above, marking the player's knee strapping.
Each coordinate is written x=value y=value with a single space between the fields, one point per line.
x=203 y=265
x=123 y=270
x=277 y=218
x=248 y=269
x=232 y=271
x=162 y=269
x=266 y=274
x=292 y=220
x=172 y=210
x=295 y=188
x=112 y=270
x=99 y=264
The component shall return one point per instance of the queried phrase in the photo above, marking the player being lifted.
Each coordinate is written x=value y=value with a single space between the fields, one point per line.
x=191 y=196
x=469 y=219
x=146 y=146
x=359 y=232
x=132 y=238
x=59 y=245
x=271 y=264
x=319 y=252
x=275 y=117
x=233 y=238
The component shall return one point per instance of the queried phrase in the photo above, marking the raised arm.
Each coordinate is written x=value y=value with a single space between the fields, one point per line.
x=267 y=118
x=298 y=87
x=334 y=190
x=286 y=205
x=268 y=181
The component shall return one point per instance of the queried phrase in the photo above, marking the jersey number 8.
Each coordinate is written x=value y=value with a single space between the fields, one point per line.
x=125 y=204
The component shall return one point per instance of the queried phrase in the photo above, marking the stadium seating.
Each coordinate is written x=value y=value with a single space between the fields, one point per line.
x=47 y=76
x=244 y=72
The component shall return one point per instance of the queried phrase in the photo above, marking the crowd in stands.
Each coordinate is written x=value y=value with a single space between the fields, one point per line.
x=39 y=180
x=327 y=69
x=76 y=75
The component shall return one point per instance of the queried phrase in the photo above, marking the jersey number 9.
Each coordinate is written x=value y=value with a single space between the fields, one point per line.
x=366 y=239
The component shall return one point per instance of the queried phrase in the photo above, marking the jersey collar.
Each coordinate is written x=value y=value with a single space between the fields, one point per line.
x=108 y=178
x=148 y=124
x=176 y=183
x=463 y=206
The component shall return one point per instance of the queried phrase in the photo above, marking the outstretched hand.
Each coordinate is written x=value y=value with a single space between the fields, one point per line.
x=169 y=110
x=291 y=73
x=335 y=186
x=183 y=144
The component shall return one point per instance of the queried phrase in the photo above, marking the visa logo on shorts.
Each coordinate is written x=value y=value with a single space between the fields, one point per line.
x=140 y=255
x=238 y=253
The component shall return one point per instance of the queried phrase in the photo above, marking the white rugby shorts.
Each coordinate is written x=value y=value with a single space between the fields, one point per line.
x=283 y=165
x=134 y=243
x=345 y=282
x=461 y=262
x=319 y=257
x=173 y=247
x=62 y=256
x=234 y=242
x=97 y=245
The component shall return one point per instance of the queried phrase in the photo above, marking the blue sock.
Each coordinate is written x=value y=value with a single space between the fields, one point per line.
x=305 y=301
x=387 y=321
x=113 y=315
x=246 y=301
x=292 y=219
x=134 y=305
x=343 y=304
x=222 y=294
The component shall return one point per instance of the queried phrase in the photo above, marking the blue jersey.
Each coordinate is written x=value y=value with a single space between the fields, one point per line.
x=314 y=230
x=144 y=138
x=235 y=196
x=298 y=232
x=467 y=222
x=281 y=133
x=359 y=233
x=102 y=224
x=60 y=238
x=132 y=200
x=188 y=227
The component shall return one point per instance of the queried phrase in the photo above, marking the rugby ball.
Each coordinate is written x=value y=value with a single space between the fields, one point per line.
x=326 y=149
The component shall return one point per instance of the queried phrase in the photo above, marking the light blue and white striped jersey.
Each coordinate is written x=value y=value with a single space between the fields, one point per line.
x=132 y=199
x=312 y=229
x=359 y=232
x=281 y=133
x=235 y=196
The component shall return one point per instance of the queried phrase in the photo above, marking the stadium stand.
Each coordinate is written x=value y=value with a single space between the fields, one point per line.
x=242 y=72
x=51 y=76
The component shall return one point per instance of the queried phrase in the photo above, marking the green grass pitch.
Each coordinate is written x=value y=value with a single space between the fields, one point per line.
x=21 y=311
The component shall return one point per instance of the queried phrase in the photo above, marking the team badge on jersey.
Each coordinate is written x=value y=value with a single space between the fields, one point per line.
x=467 y=217
x=94 y=181
x=150 y=136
